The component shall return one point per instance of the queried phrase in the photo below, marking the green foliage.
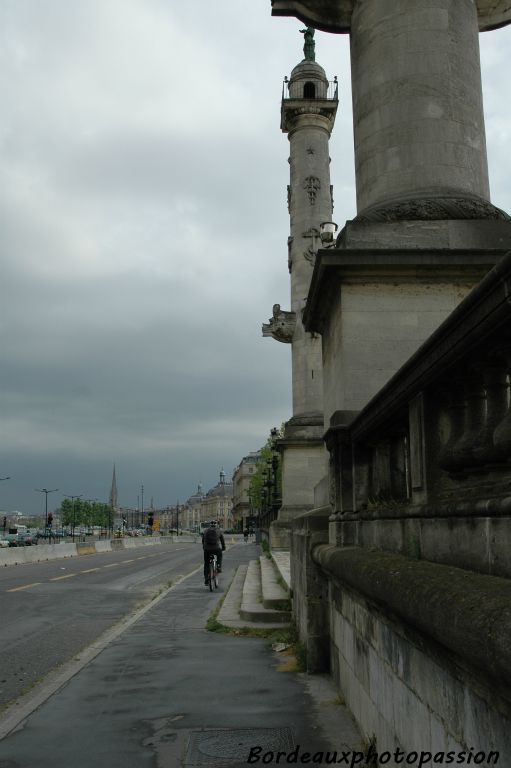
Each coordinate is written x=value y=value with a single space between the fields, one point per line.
x=257 y=481
x=81 y=512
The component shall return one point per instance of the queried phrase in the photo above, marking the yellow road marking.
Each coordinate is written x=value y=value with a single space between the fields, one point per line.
x=89 y=570
x=67 y=576
x=25 y=586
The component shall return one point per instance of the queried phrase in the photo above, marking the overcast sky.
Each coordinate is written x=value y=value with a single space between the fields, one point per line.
x=143 y=229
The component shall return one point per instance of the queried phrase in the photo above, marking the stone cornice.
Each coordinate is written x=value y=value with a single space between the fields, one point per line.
x=336 y=265
x=335 y=15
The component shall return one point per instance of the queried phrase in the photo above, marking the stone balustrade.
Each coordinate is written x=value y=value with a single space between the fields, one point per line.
x=434 y=445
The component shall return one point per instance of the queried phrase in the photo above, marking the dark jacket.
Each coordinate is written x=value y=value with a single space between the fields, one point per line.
x=211 y=543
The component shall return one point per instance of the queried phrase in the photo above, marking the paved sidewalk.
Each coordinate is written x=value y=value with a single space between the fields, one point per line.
x=167 y=693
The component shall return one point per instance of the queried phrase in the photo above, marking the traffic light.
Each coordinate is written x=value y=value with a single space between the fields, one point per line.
x=150 y=519
x=50 y=519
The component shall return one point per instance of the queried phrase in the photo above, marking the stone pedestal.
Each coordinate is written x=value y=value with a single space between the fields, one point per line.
x=388 y=286
x=304 y=465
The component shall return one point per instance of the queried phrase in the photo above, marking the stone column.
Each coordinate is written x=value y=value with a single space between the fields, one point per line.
x=307 y=116
x=310 y=203
x=417 y=103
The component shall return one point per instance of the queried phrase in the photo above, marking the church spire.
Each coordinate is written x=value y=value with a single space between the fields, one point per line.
x=113 y=492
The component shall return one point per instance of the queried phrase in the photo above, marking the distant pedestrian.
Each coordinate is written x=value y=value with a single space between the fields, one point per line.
x=245 y=535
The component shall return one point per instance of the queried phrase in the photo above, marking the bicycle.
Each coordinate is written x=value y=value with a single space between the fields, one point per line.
x=213 y=572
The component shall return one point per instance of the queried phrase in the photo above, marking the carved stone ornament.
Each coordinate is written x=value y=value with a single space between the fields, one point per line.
x=312 y=184
x=310 y=254
x=281 y=326
x=290 y=253
x=434 y=208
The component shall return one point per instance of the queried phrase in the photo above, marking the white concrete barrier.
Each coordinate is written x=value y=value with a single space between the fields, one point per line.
x=103 y=546
x=36 y=554
x=42 y=552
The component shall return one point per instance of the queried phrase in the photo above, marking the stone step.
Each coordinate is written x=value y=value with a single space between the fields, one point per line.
x=229 y=614
x=252 y=608
x=273 y=593
x=282 y=561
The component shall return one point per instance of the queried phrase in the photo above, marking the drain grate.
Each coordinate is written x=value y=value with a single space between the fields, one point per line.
x=224 y=747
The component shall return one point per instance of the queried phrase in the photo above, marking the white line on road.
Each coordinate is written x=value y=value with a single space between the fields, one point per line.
x=67 y=576
x=25 y=705
x=25 y=586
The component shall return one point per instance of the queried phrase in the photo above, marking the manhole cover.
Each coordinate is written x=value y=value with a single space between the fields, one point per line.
x=224 y=747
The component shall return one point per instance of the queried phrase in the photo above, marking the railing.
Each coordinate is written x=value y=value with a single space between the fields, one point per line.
x=330 y=93
x=436 y=439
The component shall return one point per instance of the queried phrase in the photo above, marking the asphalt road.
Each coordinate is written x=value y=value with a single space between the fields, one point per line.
x=166 y=693
x=49 y=611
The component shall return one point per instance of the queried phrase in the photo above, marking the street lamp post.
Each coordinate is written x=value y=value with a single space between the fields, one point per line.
x=5 y=516
x=46 y=491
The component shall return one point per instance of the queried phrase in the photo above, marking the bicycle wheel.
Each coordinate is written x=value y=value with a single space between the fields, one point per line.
x=212 y=575
x=215 y=578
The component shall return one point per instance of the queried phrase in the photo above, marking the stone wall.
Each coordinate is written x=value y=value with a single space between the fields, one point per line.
x=403 y=691
x=419 y=651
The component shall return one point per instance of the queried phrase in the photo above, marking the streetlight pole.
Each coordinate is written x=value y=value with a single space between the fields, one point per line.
x=141 y=522
x=46 y=491
x=5 y=516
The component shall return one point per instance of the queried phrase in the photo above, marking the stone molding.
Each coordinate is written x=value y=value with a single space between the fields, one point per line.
x=434 y=208
x=296 y=117
x=335 y=15
x=336 y=264
x=466 y=612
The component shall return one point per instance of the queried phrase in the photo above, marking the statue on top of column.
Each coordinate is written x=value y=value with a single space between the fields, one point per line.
x=309 y=46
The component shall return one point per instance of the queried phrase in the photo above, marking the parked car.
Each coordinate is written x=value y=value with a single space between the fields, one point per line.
x=3 y=543
x=26 y=539
x=12 y=539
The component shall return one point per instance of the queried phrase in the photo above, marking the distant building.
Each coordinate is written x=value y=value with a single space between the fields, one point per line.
x=242 y=510
x=217 y=503
x=194 y=509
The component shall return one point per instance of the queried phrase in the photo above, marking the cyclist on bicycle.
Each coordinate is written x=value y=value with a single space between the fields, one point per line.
x=213 y=543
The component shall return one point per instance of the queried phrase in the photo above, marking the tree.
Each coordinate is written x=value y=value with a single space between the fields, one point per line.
x=264 y=467
x=85 y=513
